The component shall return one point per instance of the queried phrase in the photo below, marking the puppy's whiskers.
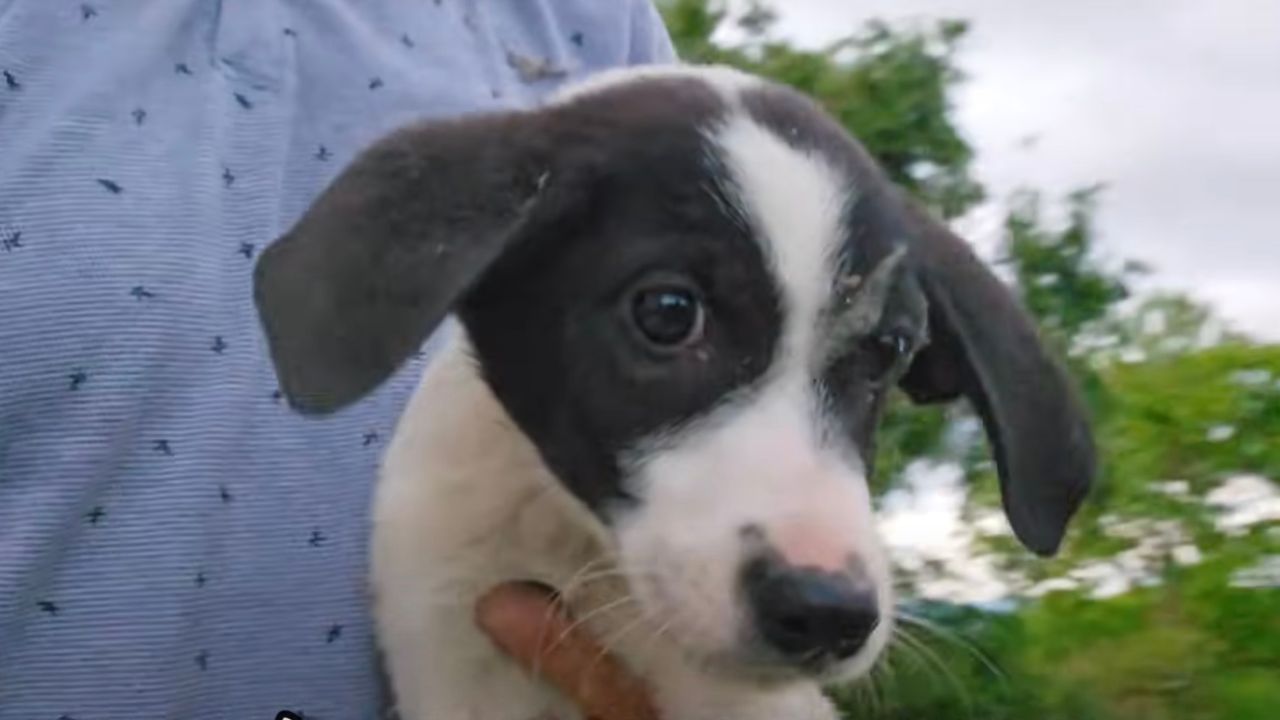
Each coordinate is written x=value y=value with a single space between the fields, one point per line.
x=610 y=644
x=564 y=591
x=582 y=621
x=935 y=666
x=955 y=639
x=578 y=585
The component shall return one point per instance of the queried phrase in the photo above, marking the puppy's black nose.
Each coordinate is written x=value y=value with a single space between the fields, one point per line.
x=808 y=615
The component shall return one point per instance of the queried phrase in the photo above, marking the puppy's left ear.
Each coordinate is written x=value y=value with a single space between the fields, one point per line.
x=985 y=347
x=384 y=253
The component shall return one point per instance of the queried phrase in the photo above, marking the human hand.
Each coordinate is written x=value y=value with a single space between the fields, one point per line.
x=530 y=625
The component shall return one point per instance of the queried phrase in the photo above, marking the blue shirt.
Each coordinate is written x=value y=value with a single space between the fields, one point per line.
x=174 y=541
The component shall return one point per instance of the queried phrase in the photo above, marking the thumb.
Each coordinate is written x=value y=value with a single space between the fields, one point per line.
x=527 y=623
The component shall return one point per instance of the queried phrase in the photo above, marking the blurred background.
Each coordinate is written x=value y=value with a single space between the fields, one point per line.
x=1119 y=164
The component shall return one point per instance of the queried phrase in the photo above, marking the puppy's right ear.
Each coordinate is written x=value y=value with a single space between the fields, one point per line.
x=986 y=347
x=380 y=258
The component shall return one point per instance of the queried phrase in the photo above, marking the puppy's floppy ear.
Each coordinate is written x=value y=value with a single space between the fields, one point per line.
x=985 y=347
x=382 y=255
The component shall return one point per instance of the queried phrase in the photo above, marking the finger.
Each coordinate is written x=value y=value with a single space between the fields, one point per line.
x=526 y=622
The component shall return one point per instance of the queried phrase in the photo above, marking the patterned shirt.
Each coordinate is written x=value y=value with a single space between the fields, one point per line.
x=174 y=541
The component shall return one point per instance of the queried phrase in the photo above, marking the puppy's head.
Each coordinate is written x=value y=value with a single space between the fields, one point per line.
x=692 y=290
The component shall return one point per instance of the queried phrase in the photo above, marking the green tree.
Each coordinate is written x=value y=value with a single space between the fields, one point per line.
x=892 y=88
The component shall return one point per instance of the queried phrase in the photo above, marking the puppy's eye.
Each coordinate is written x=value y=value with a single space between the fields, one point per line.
x=885 y=350
x=667 y=315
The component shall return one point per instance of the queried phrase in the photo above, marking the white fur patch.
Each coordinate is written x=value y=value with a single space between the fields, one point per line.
x=728 y=81
x=463 y=503
x=796 y=201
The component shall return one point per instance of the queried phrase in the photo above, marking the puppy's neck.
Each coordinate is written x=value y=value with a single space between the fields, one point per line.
x=487 y=495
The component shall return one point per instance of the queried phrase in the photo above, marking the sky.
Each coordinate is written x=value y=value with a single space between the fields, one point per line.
x=1173 y=104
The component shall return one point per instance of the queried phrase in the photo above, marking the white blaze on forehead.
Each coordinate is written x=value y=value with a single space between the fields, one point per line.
x=725 y=80
x=796 y=201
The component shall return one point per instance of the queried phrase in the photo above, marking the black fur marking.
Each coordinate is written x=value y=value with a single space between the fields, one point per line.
x=533 y=226
x=550 y=321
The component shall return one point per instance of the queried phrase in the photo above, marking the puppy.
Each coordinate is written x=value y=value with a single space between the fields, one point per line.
x=684 y=295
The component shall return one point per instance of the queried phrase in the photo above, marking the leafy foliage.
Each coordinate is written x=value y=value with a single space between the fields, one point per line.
x=1061 y=284
x=1146 y=613
x=890 y=88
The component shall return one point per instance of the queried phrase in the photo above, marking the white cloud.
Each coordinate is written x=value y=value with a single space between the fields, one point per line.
x=1173 y=103
x=921 y=522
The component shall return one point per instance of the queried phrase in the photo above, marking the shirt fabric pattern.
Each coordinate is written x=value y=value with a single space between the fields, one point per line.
x=174 y=541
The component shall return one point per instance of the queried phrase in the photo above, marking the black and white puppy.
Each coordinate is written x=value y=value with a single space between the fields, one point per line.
x=684 y=295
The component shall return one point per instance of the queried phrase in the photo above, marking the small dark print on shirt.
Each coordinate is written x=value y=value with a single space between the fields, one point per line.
x=111 y=185
x=88 y=12
x=244 y=101
x=13 y=241
x=139 y=292
x=94 y=515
